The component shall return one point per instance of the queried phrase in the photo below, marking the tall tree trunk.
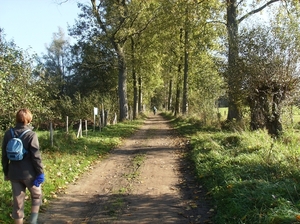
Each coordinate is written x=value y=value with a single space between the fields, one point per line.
x=140 y=105
x=134 y=78
x=186 y=63
x=170 y=95
x=177 y=100
x=233 y=80
x=178 y=90
x=118 y=46
x=185 y=75
x=122 y=84
x=179 y=79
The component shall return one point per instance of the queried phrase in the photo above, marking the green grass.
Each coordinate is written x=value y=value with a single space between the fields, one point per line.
x=250 y=177
x=67 y=160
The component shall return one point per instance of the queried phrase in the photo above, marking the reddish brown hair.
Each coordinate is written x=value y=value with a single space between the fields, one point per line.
x=24 y=116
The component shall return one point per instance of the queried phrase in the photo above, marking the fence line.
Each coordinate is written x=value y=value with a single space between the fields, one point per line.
x=103 y=121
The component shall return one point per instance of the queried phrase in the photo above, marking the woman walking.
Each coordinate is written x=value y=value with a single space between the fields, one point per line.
x=24 y=173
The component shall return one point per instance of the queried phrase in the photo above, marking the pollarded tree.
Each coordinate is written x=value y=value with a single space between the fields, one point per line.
x=234 y=79
x=269 y=64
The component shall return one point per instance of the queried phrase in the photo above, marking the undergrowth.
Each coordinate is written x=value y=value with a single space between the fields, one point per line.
x=250 y=177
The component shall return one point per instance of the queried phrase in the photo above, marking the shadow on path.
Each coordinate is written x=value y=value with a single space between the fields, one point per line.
x=160 y=190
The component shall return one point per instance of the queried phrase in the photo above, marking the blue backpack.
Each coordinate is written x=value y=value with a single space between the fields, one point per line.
x=14 y=148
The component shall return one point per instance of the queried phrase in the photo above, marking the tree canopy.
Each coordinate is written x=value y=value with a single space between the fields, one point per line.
x=180 y=56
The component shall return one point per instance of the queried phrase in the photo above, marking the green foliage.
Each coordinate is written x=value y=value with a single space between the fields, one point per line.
x=18 y=86
x=189 y=19
x=270 y=67
x=251 y=177
x=93 y=66
x=81 y=107
x=68 y=159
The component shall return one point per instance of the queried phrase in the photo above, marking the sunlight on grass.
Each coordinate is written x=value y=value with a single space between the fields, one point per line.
x=251 y=177
x=67 y=160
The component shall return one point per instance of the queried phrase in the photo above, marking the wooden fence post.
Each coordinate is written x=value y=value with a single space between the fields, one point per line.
x=102 y=115
x=94 y=121
x=51 y=134
x=99 y=123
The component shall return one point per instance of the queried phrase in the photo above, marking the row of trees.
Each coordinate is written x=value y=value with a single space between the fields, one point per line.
x=178 y=54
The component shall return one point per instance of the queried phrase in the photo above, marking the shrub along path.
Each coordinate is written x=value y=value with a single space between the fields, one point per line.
x=146 y=180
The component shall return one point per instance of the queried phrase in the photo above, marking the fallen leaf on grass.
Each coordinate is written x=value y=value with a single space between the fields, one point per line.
x=193 y=205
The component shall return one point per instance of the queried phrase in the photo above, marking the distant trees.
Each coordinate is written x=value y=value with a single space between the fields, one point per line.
x=120 y=21
x=187 y=37
x=56 y=62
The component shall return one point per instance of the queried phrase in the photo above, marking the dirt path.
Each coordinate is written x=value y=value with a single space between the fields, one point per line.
x=146 y=180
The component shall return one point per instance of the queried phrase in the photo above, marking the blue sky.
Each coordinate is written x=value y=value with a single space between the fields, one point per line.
x=31 y=23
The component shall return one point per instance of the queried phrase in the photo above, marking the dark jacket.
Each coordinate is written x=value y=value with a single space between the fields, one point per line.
x=31 y=165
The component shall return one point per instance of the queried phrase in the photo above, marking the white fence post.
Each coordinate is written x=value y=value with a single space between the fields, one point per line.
x=115 y=119
x=85 y=127
x=67 y=125
x=79 y=133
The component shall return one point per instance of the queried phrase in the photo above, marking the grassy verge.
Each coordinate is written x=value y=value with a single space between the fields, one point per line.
x=67 y=160
x=250 y=177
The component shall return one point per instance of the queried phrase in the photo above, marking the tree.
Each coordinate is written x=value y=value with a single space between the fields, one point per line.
x=56 y=62
x=19 y=87
x=195 y=41
x=92 y=68
x=119 y=21
x=234 y=79
x=269 y=64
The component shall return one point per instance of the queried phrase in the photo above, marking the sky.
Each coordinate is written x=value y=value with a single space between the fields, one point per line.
x=31 y=23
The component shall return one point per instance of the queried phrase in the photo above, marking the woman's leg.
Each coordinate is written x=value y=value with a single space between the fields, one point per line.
x=36 y=201
x=18 y=191
x=18 y=221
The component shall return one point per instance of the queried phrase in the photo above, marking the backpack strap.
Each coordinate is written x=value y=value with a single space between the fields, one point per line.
x=13 y=133
x=24 y=133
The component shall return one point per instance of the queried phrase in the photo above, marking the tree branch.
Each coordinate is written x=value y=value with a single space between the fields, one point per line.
x=95 y=10
x=257 y=10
